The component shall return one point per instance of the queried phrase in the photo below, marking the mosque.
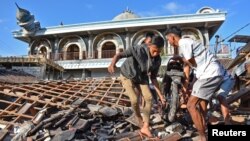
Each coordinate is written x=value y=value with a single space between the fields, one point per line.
x=85 y=50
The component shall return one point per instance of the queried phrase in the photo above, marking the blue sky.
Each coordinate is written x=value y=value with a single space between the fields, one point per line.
x=52 y=13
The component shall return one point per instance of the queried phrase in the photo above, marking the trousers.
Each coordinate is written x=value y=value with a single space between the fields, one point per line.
x=134 y=97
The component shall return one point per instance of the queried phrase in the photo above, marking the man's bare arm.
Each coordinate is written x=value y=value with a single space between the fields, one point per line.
x=158 y=91
x=112 y=66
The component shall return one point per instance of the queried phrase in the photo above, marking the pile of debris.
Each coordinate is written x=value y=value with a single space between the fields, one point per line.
x=16 y=76
x=94 y=122
x=89 y=110
x=95 y=109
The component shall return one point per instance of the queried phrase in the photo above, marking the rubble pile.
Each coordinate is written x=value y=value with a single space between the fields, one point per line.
x=95 y=110
x=89 y=110
x=93 y=122
x=90 y=122
x=16 y=76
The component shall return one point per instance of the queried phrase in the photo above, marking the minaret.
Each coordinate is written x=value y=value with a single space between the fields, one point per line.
x=26 y=21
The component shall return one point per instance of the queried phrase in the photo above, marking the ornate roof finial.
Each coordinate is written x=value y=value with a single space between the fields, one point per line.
x=22 y=15
x=26 y=20
x=127 y=9
x=17 y=5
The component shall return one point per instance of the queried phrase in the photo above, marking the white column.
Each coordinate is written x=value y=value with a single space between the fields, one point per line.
x=29 y=49
x=56 y=47
x=206 y=36
x=127 y=39
x=90 y=47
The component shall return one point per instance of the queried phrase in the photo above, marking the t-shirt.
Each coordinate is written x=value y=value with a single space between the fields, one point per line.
x=207 y=65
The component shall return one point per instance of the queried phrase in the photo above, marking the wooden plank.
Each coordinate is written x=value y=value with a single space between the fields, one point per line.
x=14 y=113
x=40 y=101
x=9 y=102
x=24 y=108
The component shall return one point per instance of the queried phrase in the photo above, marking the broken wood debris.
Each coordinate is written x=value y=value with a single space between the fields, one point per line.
x=22 y=102
x=88 y=110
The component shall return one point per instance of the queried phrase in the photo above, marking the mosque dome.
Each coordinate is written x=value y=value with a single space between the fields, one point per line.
x=127 y=14
x=206 y=9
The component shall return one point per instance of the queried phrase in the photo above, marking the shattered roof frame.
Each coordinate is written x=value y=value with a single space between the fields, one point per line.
x=21 y=103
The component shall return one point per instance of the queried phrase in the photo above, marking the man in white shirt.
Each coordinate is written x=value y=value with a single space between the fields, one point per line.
x=208 y=74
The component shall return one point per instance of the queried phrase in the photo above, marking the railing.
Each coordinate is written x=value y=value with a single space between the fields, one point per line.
x=56 y=56
x=75 y=55
x=104 y=54
x=72 y=56
x=220 y=50
x=68 y=56
x=108 y=53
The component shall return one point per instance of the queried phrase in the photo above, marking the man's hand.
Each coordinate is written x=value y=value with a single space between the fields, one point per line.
x=111 y=68
x=159 y=93
x=163 y=101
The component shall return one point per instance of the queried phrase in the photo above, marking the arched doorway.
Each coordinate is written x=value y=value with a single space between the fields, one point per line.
x=108 y=50
x=72 y=52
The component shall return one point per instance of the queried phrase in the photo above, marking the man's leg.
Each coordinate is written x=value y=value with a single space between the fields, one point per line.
x=203 y=109
x=129 y=87
x=224 y=109
x=196 y=115
x=224 y=90
x=202 y=90
x=146 y=109
x=139 y=95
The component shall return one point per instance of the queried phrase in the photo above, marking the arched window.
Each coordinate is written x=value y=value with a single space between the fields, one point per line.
x=72 y=52
x=108 y=50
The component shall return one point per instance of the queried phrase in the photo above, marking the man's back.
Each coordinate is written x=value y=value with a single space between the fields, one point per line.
x=206 y=64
